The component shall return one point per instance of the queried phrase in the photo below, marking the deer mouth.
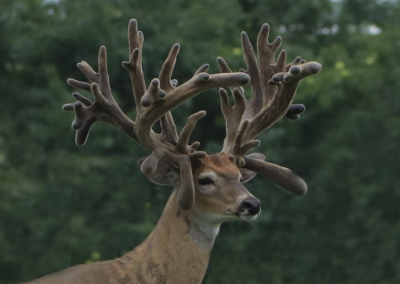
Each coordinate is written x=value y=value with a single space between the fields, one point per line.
x=245 y=216
x=249 y=217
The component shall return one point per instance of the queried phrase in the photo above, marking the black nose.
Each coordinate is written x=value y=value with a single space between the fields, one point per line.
x=251 y=205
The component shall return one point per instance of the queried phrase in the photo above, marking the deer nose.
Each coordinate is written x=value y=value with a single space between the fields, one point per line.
x=251 y=206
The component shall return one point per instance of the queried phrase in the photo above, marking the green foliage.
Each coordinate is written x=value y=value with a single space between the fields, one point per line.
x=61 y=205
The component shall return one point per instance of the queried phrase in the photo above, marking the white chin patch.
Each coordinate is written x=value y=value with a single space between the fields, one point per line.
x=248 y=218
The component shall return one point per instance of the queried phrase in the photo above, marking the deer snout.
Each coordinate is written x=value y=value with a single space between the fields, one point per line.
x=250 y=205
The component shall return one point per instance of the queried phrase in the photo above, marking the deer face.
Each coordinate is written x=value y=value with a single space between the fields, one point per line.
x=219 y=192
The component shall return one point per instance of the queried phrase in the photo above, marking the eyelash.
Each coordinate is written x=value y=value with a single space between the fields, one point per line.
x=205 y=181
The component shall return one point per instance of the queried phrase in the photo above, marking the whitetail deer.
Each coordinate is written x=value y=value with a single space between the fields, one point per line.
x=208 y=188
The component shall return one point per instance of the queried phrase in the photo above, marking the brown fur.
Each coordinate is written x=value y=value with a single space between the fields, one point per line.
x=230 y=191
x=179 y=247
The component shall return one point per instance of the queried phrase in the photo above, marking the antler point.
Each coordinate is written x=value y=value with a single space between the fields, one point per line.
x=132 y=23
x=315 y=67
x=203 y=76
x=295 y=70
x=155 y=82
x=244 y=79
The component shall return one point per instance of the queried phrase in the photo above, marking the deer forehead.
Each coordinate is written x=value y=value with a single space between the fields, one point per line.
x=211 y=174
x=217 y=165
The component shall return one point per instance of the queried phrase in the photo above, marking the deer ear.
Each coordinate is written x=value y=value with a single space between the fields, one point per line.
x=159 y=172
x=247 y=175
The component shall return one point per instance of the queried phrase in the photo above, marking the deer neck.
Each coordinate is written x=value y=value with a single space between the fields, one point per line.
x=178 y=249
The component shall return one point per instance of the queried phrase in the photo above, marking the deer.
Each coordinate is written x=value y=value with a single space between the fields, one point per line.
x=208 y=189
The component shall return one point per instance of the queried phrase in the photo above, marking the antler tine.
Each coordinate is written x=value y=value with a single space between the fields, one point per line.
x=266 y=55
x=104 y=107
x=294 y=111
x=186 y=189
x=135 y=37
x=279 y=66
x=88 y=71
x=233 y=117
x=256 y=100
x=242 y=145
x=202 y=69
x=134 y=66
x=168 y=67
x=223 y=66
x=103 y=74
x=284 y=177
x=168 y=128
x=187 y=130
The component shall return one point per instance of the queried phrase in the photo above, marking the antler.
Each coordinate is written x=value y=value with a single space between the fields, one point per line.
x=104 y=107
x=152 y=104
x=273 y=86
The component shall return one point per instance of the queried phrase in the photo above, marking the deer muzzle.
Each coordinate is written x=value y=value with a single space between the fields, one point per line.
x=250 y=206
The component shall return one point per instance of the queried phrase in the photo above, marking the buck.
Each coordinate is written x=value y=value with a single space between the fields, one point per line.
x=208 y=188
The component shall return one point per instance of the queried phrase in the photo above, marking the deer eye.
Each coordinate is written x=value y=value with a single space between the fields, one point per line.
x=205 y=181
x=241 y=180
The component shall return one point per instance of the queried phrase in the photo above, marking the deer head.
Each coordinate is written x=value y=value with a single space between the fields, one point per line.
x=211 y=185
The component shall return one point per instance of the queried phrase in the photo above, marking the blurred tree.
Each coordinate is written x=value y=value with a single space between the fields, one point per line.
x=61 y=205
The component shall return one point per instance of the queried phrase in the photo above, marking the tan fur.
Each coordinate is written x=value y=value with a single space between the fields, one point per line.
x=230 y=191
x=179 y=247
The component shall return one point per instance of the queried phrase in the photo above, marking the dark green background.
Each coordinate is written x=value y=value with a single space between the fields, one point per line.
x=62 y=205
